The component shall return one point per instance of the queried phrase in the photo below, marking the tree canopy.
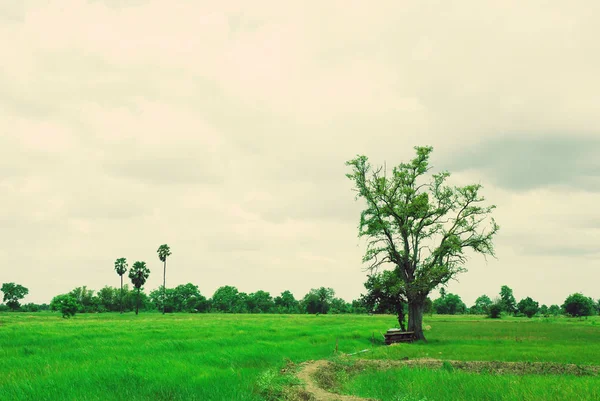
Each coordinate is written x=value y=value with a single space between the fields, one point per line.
x=13 y=293
x=579 y=305
x=422 y=227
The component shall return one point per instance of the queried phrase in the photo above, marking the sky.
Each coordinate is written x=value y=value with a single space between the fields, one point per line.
x=223 y=128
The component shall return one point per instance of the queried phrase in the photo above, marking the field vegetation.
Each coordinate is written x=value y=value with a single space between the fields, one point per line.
x=255 y=357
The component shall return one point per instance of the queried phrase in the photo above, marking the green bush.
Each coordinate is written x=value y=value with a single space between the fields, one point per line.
x=65 y=304
x=579 y=305
x=495 y=310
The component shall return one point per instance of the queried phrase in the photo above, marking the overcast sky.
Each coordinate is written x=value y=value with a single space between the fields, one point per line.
x=222 y=128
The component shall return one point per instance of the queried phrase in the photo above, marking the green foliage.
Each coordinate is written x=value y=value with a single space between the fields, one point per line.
x=138 y=275
x=225 y=299
x=482 y=305
x=544 y=310
x=286 y=303
x=12 y=294
x=495 y=310
x=183 y=298
x=383 y=293
x=121 y=266
x=260 y=302
x=509 y=304
x=554 y=310
x=85 y=299
x=528 y=307
x=450 y=304
x=421 y=227
x=318 y=300
x=66 y=304
x=579 y=305
x=163 y=252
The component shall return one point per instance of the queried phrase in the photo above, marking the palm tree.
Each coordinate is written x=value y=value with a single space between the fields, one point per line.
x=163 y=252
x=121 y=268
x=138 y=274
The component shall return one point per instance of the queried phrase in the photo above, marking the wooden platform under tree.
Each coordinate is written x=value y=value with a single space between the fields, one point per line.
x=398 y=336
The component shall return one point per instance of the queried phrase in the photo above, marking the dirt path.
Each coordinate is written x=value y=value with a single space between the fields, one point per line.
x=311 y=369
x=306 y=374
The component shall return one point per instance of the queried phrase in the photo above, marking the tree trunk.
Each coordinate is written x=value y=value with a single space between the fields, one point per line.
x=415 y=319
x=137 y=304
x=400 y=312
x=121 y=294
x=164 y=286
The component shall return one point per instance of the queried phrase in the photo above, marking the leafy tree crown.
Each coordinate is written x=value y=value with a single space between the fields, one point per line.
x=163 y=252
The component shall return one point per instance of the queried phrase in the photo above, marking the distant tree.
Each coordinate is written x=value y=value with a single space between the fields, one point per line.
x=121 y=269
x=442 y=292
x=358 y=307
x=384 y=296
x=554 y=310
x=598 y=306
x=85 y=299
x=163 y=253
x=108 y=298
x=451 y=304
x=528 y=307
x=260 y=302
x=544 y=310
x=482 y=304
x=242 y=304
x=339 y=306
x=495 y=309
x=318 y=300
x=138 y=275
x=286 y=303
x=66 y=304
x=12 y=294
x=420 y=225
x=187 y=298
x=183 y=298
x=579 y=305
x=509 y=304
x=428 y=306
x=225 y=299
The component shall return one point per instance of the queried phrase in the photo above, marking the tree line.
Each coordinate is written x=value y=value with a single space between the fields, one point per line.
x=575 y=304
x=187 y=298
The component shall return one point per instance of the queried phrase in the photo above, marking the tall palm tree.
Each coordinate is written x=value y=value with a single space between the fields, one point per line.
x=163 y=252
x=138 y=274
x=121 y=268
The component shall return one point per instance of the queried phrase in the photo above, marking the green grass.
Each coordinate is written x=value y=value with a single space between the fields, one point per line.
x=231 y=357
x=408 y=384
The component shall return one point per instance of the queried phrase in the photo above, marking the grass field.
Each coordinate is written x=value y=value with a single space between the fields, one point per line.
x=232 y=357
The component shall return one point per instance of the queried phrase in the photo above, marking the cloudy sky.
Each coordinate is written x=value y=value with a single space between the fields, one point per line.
x=222 y=128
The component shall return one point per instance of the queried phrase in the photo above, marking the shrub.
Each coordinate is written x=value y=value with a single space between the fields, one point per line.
x=579 y=305
x=65 y=304
x=528 y=307
x=495 y=310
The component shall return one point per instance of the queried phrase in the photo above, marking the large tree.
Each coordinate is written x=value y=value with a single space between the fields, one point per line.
x=121 y=268
x=163 y=252
x=421 y=226
x=138 y=274
x=12 y=294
